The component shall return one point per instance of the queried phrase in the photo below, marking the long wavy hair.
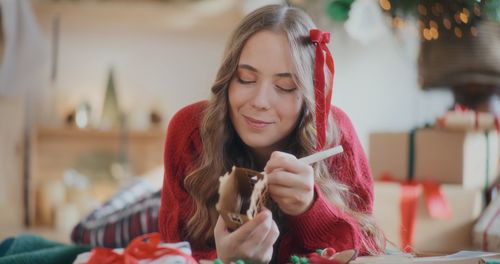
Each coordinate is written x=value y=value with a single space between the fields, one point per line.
x=222 y=147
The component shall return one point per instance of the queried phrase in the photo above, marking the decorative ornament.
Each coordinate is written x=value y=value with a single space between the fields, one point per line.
x=437 y=18
x=339 y=10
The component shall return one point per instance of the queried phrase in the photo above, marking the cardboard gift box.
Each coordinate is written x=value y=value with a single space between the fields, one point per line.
x=467 y=158
x=462 y=257
x=389 y=153
x=487 y=229
x=466 y=119
x=430 y=235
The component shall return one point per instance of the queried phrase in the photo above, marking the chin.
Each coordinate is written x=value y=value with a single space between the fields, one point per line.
x=257 y=144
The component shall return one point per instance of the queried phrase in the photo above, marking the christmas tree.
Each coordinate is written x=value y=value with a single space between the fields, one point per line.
x=111 y=115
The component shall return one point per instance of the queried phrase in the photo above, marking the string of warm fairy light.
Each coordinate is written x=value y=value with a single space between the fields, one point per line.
x=435 y=18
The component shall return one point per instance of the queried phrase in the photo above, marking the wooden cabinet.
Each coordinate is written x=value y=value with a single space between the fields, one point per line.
x=55 y=150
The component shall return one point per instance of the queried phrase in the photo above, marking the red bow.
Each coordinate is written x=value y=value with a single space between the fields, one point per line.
x=436 y=203
x=322 y=102
x=140 y=248
x=463 y=109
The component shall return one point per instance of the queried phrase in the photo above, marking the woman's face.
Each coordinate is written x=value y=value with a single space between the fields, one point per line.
x=264 y=100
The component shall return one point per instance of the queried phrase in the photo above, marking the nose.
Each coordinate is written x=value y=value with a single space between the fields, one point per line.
x=262 y=97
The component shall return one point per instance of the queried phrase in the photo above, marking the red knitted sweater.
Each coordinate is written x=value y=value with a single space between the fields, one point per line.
x=323 y=225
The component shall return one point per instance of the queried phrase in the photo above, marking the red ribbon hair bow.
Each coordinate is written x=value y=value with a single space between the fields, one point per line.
x=322 y=94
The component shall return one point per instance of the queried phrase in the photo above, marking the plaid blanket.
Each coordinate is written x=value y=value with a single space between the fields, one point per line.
x=130 y=213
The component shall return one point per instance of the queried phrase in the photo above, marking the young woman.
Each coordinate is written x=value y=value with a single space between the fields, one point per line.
x=269 y=107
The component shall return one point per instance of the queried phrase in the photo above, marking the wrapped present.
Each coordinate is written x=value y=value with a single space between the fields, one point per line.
x=389 y=153
x=142 y=250
x=410 y=216
x=487 y=229
x=462 y=119
x=461 y=257
x=468 y=158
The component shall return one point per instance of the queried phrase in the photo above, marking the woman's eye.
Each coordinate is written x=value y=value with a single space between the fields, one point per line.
x=243 y=81
x=285 y=90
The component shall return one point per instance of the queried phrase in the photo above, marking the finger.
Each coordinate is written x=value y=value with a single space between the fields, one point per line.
x=263 y=251
x=290 y=180
x=253 y=244
x=241 y=234
x=220 y=229
x=267 y=244
x=282 y=192
x=286 y=204
x=287 y=162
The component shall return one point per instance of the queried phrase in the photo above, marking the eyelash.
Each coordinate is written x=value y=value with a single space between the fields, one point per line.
x=279 y=88
x=243 y=82
x=286 y=90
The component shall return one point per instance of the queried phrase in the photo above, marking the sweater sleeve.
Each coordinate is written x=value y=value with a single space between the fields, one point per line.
x=324 y=224
x=182 y=147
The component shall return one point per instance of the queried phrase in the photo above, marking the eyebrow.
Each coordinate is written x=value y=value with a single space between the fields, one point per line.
x=250 y=68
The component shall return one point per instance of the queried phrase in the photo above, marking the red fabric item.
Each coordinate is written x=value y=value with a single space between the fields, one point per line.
x=322 y=102
x=323 y=225
x=141 y=248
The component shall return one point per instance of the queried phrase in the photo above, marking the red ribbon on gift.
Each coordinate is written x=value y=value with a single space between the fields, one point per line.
x=140 y=248
x=463 y=109
x=436 y=204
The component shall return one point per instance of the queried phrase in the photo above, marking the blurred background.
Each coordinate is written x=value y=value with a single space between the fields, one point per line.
x=87 y=88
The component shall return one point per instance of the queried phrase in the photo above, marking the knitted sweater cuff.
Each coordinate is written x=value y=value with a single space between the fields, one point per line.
x=317 y=223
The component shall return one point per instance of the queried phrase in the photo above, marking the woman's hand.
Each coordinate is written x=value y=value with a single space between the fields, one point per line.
x=290 y=183
x=252 y=242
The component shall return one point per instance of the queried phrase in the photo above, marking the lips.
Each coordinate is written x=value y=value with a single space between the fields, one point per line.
x=256 y=123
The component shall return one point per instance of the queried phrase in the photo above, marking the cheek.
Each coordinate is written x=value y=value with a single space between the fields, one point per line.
x=232 y=96
x=238 y=95
x=291 y=110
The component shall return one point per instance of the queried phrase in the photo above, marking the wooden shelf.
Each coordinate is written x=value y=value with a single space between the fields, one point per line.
x=55 y=150
x=72 y=132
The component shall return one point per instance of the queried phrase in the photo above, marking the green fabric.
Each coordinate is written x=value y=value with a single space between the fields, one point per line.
x=492 y=261
x=34 y=249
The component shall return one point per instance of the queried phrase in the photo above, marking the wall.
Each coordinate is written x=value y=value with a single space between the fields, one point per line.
x=169 y=63
x=11 y=158
x=377 y=84
x=159 y=61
